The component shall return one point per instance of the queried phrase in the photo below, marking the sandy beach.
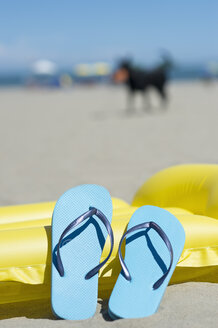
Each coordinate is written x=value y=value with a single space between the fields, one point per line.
x=53 y=140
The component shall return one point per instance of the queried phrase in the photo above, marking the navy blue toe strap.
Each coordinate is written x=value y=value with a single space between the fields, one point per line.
x=76 y=222
x=163 y=236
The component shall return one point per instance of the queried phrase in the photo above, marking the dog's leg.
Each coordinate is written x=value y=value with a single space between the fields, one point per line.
x=162 y=92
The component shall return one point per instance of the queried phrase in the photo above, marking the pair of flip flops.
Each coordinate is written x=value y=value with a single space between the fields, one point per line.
x=80 y=226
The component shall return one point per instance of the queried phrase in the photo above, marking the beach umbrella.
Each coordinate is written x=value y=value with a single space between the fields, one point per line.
x=44 y=67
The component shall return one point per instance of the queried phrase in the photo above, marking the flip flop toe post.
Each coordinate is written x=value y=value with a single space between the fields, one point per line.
x=80 y=226
x=154 y=243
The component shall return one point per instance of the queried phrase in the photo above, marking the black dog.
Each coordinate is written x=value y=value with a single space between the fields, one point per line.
x=138 y=79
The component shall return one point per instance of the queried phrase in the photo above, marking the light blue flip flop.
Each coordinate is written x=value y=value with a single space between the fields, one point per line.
x=155 y=240
x=78 y=236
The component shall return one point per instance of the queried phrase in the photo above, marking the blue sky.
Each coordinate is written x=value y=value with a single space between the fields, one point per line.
x=70 y=31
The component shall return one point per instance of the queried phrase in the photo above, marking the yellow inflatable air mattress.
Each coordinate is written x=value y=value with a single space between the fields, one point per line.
x=190 y=192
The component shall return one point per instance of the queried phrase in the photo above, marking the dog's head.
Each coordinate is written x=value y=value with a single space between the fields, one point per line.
x=121 y=74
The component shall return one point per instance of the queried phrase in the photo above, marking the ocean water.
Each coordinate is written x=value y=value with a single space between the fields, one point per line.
x=177 y=73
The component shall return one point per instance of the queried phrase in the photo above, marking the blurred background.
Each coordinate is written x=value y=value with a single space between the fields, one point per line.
x=63 y=116
x=68 y=42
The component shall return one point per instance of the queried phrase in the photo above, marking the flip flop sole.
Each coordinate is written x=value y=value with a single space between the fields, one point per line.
x=72 y=296
x=147 y=258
